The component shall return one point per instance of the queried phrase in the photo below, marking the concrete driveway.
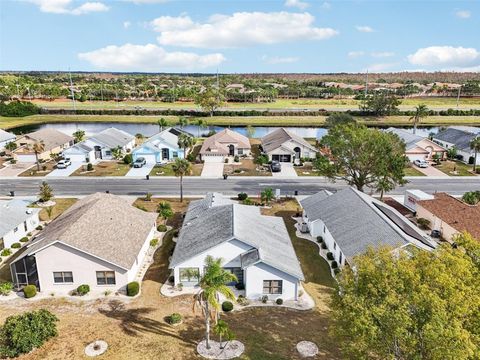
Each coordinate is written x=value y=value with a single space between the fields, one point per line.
x=212 y=169
x=430 y=171
x=143 y=171
x=15 y=169
x=66 y=172
x=287 y=171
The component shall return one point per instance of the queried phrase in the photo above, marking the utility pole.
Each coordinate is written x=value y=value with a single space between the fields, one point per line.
x=71 y=91
x=458 y=95
x=366 y=86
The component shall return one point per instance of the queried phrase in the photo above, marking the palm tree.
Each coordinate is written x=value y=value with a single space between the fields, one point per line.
x=223 y=331
x=200 y=125
x=181 y=167
x=421 y=111
x=78 y=136
x=38 y=147
x=164 y=209
x=117 y=152
x=185 y=142
x=213 y=282
x=475 y=146
x=182 y=121
x=162 y=123
x=267 y=195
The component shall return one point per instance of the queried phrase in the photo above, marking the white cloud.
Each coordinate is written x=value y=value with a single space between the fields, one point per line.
x=273 y=60
x=447 y=57
x=381 y=67
x=297 y=3
x=240 y=29
x=463 y=14
x=149 y=57
x=364 y=28
x=382 y=54
x=65 y=7
x=126 y=24
x=326 y=5
x=355 y=54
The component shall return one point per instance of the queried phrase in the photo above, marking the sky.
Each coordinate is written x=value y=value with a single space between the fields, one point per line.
x=244 y=36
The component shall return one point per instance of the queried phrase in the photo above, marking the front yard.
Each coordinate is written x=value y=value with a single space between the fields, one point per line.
x=455 y=168
x=104 y=168
x=45 y=168
x=166 y=170
x=411 y=171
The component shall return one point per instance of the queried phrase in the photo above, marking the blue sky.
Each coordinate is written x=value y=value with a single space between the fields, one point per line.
x=239 y=36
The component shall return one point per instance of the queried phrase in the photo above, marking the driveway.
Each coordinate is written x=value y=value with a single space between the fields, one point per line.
x=140 y=172
x=287 y=171
x=66 y=172
x=15 y=169
x=212 y=169
x=430 y=171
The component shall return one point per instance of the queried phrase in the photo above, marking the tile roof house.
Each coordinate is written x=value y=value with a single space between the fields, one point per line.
x=54 y=142
x=255 y=247
x=418 y=147
x=285 y=146
x=101 y=241
x=450 y=215
x=222 y=144
x=350 y=222
x=5 y=138
x=17 y=219
x=459 y=137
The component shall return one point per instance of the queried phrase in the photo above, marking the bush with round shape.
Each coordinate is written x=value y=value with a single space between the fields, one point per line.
x=279 y=301
x=324 y=246
x=171 y=279
x=330 y=256
x=128 y=159
x=39 y=227
x=89 y=167
x=162 y=228
x=227 y=306
x=336 y=271
x=24 y=239
x=264 y=299
x=242 y=196
x=133 y=288
x=175 y=318
x=83 y=289
x=319 y=239
x=153 y=242
x=334 y=264
x=29 y=291
x=6 y=252
x=16 y=245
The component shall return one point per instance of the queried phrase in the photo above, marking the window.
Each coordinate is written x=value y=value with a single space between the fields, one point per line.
x=272 y=286
x=189 y=274
x=105 y=277
x=340 y=258
x=175 y=154
x=108 y=153
x=324 y=228
x=25 y=226
x=240 y=151
x=60 y=277
x=334 y=246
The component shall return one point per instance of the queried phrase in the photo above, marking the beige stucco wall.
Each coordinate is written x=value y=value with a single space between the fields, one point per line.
x=436 y=223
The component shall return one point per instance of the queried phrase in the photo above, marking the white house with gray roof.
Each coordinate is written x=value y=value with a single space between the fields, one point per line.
x=101 y=241
x=285 y=146
x=459 y=137
x=254 y=247
x=5 y=138
x=17 y=219
x=350 y=222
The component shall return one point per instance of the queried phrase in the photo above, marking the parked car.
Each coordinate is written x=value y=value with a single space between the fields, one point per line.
x=63 y=164
x=275 y=166
x=421 y=163
x=139 y=162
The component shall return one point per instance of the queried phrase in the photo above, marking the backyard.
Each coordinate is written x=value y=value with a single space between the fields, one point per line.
x=104 y=168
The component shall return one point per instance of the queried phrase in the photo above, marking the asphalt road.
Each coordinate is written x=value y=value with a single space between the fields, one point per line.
x=231 y=186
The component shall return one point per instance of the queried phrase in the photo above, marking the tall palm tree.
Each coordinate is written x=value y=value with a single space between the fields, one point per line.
x=38 y=147
x=213 y=282
x=181 y=167
x=185 y=142
x=421 y=111
x=475 y=146
x=200 y=125
x=162 y=123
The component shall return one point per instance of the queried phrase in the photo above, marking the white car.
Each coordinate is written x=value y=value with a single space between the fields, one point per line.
x=421 y=163
x=63 y=164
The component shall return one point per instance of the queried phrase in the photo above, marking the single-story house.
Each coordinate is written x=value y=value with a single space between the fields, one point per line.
x=101 y=241
x=459 y=137
x=99 y=146
x=161 y=147
x=5 y=138
x=350 y=222
x=54 y=142
x=254 y=247
x=284 y=146
x=16 y=221
x=223 y=144
x=418 y=147
x=450 y=215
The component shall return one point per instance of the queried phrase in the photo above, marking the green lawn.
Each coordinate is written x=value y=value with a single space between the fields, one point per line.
x=460 y=168
x=411 y=171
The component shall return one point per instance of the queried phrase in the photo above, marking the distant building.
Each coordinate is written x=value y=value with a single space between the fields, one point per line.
x=54 y=142
x=459 y=138
x=418 y=147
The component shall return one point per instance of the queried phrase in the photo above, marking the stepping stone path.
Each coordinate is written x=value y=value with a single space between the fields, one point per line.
x=307 y=349
x=232 y=350
x=96 y=348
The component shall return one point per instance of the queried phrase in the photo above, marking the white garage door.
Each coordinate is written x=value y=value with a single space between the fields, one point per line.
x=75 y=157
x=214 y=158
x=149 y=158
x=26 y=158
x=413 y=157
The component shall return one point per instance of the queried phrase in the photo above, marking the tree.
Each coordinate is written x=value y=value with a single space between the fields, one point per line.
x=11 y=146
x=182 y=122
x=213 y=282
x=475 y=146
x=162 y=123
x=410 y=304
x=200 y=125
x=209 y=100
x=267 y=195
x=421 y=111
x=181 y=167
x=363 y=157
x=78 y=136
x=223 y=331
x=452 y=152
x=471 y=197
x=38 y=147
x=165 y=211
x=46 y=192
x=117 y=153
x=339 y=119
x=250 y=131
x=381 y=103
x=185 y=142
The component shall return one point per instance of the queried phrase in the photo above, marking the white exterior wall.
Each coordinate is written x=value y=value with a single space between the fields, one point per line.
x=254 y=276
x=15 y=236
x=132 y=273
x=413 y=157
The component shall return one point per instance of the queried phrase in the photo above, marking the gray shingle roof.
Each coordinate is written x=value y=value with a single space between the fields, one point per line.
x=408 y=138
x=113 y=137
x=5 y=136
x=103 y=225
x=276 y=138
x=50 y=137
x=460 y=138
x=356 y=223
x=14 y=213
x=211 y=226
x=312 y=204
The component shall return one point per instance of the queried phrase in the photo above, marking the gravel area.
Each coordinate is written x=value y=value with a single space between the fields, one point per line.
x=307 y=349
x=231 y=350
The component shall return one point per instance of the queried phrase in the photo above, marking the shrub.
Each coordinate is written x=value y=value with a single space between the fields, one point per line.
x=241 y=300
x=148 y=197
x=6 y=252
x=330 y=256
x=319 y=239
x=83 y=289
x=162 y=228
x=153 y=242
x=22 y=333
x=39 y=227
x=264 y=299
x=279 y=301
x=89 y=167
x=227 y=306
x=175 y=318
x=6 y=288
x=128 y=159
x=336 y=271
x=16 y=245
x=236 y=158
x=324 y=246
x=247 y=201
x=29 y=291
x=24 y=239
x=133 y=288
x=171 y=279
x=423 y=223
x=334 y=264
